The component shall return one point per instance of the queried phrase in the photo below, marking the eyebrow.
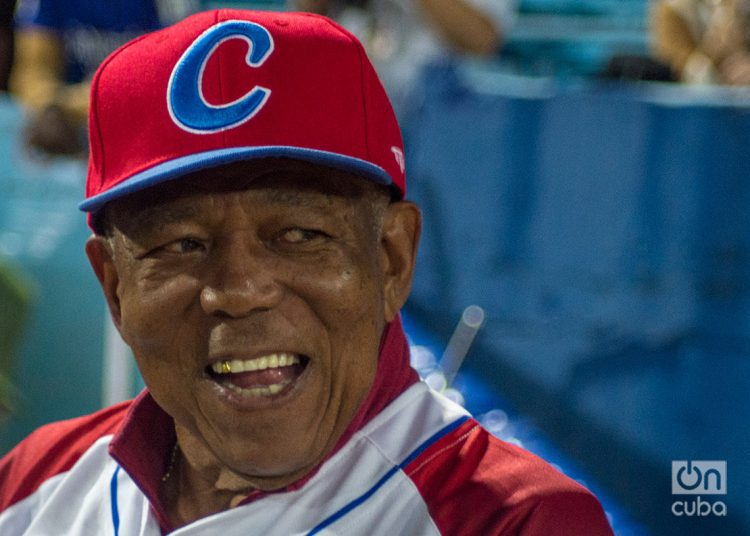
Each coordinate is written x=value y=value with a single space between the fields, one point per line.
x=310 y=198
x=160 y=217
x=318 y=192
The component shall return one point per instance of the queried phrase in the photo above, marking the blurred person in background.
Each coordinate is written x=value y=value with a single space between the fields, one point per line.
x=402 y=36
x=59 y=45
x=703 y=41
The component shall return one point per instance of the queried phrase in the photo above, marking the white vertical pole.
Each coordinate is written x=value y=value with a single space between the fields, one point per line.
x=460 y=342
x=117 y=370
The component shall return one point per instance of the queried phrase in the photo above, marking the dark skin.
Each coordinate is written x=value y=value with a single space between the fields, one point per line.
x=274 y=257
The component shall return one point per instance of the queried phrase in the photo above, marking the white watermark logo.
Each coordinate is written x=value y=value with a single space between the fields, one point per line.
x=696 y=478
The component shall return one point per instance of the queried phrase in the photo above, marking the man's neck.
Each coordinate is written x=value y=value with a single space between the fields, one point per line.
x=189 y=495
x=195 y=486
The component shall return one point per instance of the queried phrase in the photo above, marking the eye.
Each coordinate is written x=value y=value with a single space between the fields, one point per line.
x=184 y=246
x=296 y=235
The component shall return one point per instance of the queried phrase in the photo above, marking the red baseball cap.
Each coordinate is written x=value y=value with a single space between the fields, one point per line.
x=231 y=85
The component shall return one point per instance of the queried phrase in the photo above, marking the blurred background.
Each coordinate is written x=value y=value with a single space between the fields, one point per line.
x=582 y=169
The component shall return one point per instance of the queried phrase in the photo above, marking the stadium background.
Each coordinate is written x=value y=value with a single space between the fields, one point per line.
x=602 y=227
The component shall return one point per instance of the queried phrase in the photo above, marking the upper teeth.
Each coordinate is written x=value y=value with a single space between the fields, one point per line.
x=259 y=363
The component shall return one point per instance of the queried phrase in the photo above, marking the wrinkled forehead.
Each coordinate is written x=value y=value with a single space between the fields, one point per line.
x=287 y=182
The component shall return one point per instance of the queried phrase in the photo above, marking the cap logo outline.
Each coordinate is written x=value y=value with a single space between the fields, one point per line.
x=186 y=103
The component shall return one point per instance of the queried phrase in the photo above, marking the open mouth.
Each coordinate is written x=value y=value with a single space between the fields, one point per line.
x=262 y=376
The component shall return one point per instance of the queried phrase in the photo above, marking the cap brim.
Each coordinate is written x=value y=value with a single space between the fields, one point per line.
x=178 y=167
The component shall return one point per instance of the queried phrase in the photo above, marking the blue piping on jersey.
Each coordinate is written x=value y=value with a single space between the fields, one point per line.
x=392 y=471
x=113 y=501
x=343 y=510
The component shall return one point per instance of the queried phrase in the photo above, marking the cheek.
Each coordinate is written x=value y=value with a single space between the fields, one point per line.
x=349 y=304
x=345 y=294
x=157 y=315
x=162 y=327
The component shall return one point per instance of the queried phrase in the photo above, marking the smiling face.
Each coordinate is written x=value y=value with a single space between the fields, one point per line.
x=255 y=307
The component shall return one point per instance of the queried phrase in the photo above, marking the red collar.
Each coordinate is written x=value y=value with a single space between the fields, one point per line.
x=144 y=442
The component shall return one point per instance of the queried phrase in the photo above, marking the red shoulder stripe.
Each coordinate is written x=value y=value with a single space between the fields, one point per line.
x=51 y=450
x=474 y=483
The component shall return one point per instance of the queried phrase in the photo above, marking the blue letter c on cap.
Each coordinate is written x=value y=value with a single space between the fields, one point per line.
x=187 y=106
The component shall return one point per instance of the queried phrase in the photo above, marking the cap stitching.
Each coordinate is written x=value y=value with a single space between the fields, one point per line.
x=360 y=56
x=95 y=98
x=366 y=119
x=217 y=19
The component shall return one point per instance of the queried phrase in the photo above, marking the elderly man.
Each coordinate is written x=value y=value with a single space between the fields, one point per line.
x=246 y=189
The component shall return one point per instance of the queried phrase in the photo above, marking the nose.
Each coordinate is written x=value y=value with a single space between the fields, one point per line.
x=243 y=282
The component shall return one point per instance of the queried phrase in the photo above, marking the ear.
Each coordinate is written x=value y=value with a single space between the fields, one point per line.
x=402 y=225
x=99 y=252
